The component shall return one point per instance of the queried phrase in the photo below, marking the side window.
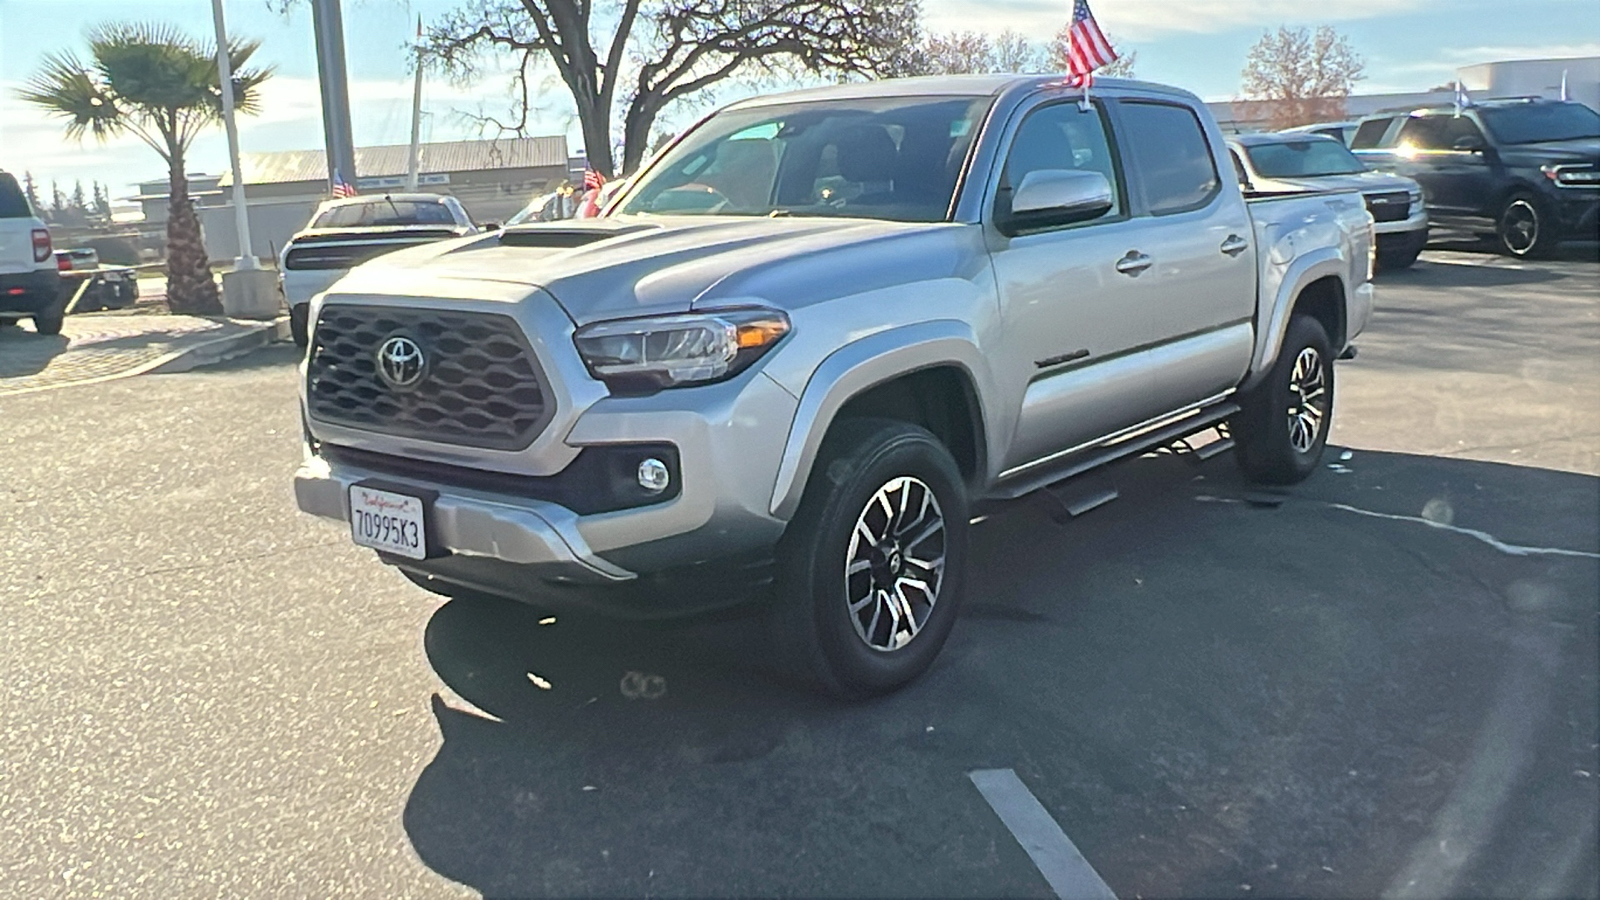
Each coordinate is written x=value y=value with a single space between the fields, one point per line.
x=1369 y=134
x=13 y=204
x=1062 y=136
x=1172 y=159
x=1437 y=132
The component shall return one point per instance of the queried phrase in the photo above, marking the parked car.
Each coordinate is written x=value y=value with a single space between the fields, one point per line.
x=343 y=234
x=29 y=282
x=870 y=307
x=1527 y=169
x=92 y=285
x=1339 y=131
x=1297 y=161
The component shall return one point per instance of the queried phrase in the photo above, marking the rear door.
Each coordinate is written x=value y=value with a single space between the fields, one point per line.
x=16 y=227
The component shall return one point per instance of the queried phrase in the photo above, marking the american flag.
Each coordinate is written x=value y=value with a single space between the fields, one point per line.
x=1087 y=47
x=592 y=180
x=342 y=188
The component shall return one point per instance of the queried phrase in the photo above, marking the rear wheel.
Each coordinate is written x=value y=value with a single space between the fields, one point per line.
x=1525 y=227
x=1283 y=422
x=298 y=326
x=872 y=564
x=50 y=321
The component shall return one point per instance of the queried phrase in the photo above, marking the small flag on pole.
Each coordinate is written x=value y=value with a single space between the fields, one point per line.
x=589 y=206
x=342 y=188
x=1087 y=47
x=1564 y=97
x=1462 y=100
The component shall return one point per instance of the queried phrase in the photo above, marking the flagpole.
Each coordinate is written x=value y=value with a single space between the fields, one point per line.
x=1564 y=96
x=241 y=211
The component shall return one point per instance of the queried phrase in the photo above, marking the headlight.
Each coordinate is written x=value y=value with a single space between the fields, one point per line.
x=1416 y=202
x=671 y=351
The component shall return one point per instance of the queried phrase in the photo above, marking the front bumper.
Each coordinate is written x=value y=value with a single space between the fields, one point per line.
x=1418 y=222
x=508 y=523
x=27 y=293
x=1580 y=215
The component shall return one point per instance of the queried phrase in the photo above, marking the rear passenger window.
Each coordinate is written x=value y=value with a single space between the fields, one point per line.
x=1437 y=132
x=13 y=205
x=1172 y=158
x=1369 y=134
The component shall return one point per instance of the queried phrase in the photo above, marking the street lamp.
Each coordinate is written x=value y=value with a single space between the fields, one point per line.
x=248 y=291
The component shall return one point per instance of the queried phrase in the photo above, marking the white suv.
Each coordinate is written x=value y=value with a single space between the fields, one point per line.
x=29 y=283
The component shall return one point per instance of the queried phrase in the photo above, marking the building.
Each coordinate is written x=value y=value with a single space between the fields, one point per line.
x=493 y=179
x=1509 y=78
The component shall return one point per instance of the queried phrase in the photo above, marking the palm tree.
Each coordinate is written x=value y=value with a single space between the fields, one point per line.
x=160 y=85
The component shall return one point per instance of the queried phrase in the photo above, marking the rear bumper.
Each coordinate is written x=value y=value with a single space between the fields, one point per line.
x=26 y=293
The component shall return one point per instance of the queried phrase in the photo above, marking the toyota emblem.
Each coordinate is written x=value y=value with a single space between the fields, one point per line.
x=400 y=362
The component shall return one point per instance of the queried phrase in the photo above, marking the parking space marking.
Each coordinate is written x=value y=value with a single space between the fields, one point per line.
x=1058 y=859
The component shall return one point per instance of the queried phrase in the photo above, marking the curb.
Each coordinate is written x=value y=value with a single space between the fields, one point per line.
x=217 y=350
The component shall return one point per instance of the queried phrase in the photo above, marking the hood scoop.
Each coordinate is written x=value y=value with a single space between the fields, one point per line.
x=564 y=237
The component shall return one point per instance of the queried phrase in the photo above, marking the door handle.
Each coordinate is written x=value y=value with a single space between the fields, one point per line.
x=1134 y=263
x=1235 y=245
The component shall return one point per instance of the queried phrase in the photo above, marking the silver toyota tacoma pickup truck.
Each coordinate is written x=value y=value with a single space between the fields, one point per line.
x=808 y=337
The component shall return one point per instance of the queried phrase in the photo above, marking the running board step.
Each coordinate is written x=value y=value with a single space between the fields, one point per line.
x=1133 y=446
x=1072 y=506
x=1215 y=448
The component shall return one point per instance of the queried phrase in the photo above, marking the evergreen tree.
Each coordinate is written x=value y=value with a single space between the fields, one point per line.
x=58 y=204
x=80 y=203
x=102 y=203
x=32 y=190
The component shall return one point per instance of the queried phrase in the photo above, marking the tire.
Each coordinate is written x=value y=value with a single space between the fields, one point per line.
x=1282 y=425
x=831 y=556
x=1525 y=228
x=49 y=322
x=1400 y=251
x=297 y=325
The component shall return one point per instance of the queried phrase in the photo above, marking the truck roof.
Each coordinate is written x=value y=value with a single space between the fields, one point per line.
x=948 y=85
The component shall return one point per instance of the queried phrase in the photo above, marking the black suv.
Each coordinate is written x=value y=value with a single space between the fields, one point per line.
x=1530 y=168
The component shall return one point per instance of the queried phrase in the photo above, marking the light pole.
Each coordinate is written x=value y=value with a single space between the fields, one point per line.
x=327 y=21
x=249 y=291
x=247 y=257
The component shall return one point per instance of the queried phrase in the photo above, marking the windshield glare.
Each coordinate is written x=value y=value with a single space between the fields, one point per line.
x=1541 y=122
x=895 y=158
x=382 y=211
x=1303 y=159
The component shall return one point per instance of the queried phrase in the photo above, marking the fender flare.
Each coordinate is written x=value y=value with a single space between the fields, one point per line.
x=860 y=366
x=1274 y=324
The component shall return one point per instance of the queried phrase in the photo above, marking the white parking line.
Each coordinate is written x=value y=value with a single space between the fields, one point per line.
x=1069 y=874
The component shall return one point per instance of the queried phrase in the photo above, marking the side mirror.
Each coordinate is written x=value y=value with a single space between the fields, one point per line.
x=1469 y=143
x=1049 y=197
x=490 y=226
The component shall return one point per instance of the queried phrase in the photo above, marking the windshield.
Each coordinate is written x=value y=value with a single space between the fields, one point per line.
x=894 y=158
x=1541 y=122
x=381 y=211
x=1303 y=159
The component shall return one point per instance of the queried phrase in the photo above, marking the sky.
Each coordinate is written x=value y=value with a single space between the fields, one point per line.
x=1408 y=45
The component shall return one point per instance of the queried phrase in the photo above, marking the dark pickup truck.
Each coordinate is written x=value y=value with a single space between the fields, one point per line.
x=1527 y=168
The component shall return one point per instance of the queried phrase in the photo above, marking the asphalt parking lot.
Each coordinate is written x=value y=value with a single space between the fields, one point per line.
x=1383 y=682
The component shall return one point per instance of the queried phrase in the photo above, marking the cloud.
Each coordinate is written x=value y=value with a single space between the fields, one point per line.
x=1148 y=19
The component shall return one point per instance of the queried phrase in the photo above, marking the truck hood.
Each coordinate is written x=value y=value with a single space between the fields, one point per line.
x=1579 y=150
x=642 y=265
x=1366 y=182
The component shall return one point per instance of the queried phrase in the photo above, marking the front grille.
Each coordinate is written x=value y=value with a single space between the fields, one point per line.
x=479 y=384
x=1391 y=207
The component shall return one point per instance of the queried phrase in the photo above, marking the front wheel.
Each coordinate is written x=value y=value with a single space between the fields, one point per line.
x=872 y=565
x=1525 y=228
x=1282 y=425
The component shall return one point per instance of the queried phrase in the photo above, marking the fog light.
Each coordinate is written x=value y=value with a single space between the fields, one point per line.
x=653 y=475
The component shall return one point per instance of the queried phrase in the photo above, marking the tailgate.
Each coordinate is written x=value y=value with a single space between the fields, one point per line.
x=16 y=245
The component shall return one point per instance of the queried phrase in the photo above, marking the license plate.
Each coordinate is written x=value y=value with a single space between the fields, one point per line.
x=387 y=521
